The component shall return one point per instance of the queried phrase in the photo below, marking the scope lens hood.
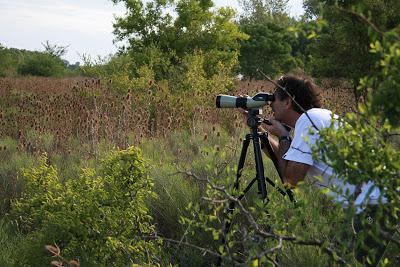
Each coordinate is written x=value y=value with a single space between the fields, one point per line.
x=218 y=101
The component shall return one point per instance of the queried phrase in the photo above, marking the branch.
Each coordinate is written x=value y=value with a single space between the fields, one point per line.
x=204 y=250
x=188 y=173
x=271 y=250
x=217 y=201
x=389 y=237
x=222 y=189
x=363 y=19
x=263 y=233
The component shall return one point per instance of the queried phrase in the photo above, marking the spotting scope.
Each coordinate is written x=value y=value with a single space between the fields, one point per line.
x=257 y=101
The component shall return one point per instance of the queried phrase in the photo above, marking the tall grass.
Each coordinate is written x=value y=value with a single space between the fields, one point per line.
x=10 y=240
x=88 y=109
x=12 y=161
x=77 y=120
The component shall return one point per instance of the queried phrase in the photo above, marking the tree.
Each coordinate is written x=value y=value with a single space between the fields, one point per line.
x=158 y=40
x=41 y=64
x=269 y=47
x=54 y=50
x=348 y=36
x=258 y=9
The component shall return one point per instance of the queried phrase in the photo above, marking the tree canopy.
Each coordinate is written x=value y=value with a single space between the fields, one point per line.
x=270 y=46
x=348 y=35
x=161 y=41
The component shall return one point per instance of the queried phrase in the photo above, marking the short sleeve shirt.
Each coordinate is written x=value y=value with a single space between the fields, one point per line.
x=305 y=136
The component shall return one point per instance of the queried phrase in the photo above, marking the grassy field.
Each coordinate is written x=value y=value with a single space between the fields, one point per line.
x=76 y=122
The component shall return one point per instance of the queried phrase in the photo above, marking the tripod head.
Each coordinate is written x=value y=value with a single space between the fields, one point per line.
x=254 y=120
x=253 y=117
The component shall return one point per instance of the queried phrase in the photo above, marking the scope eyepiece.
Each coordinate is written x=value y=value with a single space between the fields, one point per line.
x=257 y=101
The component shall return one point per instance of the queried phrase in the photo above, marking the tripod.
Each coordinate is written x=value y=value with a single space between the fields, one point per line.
x=259 y=140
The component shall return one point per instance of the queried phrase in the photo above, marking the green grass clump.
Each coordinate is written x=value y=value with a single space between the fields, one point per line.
x=12 y=161
x=10 y=240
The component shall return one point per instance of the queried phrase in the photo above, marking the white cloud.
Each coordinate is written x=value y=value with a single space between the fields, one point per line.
x=59 y=15
x=85 y=25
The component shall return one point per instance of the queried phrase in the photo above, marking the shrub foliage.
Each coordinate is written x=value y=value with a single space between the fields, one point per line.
x=98 y=218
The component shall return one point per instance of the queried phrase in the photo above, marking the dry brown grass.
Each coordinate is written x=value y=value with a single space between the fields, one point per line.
x=85 y=108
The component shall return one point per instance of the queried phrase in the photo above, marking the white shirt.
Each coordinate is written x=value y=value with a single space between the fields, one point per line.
x=305 y=136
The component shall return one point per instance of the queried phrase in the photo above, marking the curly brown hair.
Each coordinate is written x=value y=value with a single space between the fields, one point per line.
x=303 y=89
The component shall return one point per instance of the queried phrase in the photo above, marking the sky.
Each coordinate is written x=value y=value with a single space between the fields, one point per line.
x=85 y=26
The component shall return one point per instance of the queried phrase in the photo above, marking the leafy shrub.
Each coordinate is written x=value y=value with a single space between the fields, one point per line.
x=359 y=153
x=41 y=64
x=6 y=59
x=305 y=234
x=113 y=70
x=99 y=218
x=365 y=148
x=9 y=60
x=385 y=98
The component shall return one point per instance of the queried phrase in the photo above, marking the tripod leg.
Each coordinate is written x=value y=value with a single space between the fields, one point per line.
x=231 y=207
x=245 y=145
x=259 y=164
x=267 y=145
x=271 y=153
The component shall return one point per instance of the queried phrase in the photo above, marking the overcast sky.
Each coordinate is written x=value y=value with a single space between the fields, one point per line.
x=84 y=25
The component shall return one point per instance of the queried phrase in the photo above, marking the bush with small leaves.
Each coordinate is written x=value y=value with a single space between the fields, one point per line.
x=100 y=218
x=41 y=64
x=365 y=147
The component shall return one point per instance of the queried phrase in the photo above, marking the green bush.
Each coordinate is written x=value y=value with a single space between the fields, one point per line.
x=99 y=218
x=41 y=64
x=9 y=60
x=113 y=70
x=365 y=145
x=6 y=66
